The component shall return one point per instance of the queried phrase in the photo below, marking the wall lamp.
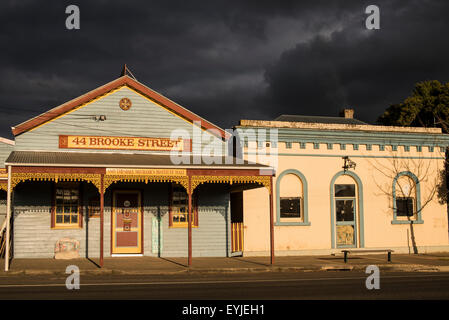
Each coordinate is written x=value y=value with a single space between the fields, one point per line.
x=348 y=163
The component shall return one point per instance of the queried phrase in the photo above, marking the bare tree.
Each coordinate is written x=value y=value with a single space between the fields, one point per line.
x=400 y=187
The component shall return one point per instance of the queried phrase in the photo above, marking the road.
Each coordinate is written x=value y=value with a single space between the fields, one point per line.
x=258 y=286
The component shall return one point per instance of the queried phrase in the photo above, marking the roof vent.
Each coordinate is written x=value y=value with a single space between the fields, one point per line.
x=347 y=113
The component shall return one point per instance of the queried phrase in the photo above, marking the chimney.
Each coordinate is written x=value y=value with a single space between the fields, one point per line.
x=347 y=113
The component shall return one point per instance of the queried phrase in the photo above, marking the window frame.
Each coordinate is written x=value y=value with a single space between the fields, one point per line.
x=304 y=196
x=195 y=222
x=413 y=201
x=54 y=214
x=300 y=213
x=416 y=218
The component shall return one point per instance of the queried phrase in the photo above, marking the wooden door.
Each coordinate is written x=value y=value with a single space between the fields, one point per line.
x=126 y=222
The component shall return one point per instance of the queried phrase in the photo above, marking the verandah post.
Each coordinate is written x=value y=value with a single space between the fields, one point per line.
x=189 y=191
x=271 y=222
x=101 y=219
x=8 y=220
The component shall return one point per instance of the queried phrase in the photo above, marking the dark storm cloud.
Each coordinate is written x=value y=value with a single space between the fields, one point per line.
x=223 y=60
x=365 y=69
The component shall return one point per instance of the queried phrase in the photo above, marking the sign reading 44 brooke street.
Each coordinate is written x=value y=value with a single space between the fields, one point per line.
x=122 y=143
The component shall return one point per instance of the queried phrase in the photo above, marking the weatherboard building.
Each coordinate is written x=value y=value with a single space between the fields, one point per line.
x=123 y=170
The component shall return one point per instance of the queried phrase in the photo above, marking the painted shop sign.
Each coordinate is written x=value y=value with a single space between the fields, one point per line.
x=146 y=172
x=123 y=143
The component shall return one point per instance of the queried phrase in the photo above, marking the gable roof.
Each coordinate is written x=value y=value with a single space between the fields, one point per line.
x=122 y=81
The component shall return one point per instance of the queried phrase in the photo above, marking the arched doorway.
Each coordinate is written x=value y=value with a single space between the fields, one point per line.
x=347 y=211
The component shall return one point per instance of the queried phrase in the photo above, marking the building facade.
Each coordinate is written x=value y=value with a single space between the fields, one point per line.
x=341 y=183
x=122 y=170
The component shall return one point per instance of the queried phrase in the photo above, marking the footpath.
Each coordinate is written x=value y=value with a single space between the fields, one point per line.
x=435 y=262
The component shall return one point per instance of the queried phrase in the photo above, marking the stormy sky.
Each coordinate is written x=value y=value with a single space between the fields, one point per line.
x=224 y=60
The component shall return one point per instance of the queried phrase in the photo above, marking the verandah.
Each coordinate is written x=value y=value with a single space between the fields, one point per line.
x=102 y=178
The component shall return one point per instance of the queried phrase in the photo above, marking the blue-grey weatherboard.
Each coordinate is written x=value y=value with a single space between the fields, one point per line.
x=5 y=150
x=143 y=119
x=34 y=237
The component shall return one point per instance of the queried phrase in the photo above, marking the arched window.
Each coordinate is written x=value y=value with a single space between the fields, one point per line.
x=291 y=195
x=406 y=199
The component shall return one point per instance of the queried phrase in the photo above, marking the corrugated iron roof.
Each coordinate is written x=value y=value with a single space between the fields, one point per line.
x=123 y=160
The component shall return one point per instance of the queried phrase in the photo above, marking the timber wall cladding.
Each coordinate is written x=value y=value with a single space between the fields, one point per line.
x=210 y=239
x=2 y=209
x=2 y=206
x=144 y=119
x=33 y=237
x=5 y=150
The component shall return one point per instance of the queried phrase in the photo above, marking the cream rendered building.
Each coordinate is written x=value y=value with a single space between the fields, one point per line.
x=341 y=183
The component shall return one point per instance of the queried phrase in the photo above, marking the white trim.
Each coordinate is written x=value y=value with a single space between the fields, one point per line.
x=7 y=141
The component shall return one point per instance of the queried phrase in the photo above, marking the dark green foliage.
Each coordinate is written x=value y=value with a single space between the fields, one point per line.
x=428 y=106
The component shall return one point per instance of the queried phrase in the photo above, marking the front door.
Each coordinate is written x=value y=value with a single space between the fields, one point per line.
x=346 y=215
x=126 y=222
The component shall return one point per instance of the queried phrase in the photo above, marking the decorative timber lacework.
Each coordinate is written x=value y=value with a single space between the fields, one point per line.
x=110 y=179
x=263 y=180
x=16 y=178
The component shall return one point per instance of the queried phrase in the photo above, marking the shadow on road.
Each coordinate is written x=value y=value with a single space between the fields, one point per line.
x=174 y=262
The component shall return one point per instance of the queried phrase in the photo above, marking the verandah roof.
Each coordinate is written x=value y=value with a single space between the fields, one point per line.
x=122 y=160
